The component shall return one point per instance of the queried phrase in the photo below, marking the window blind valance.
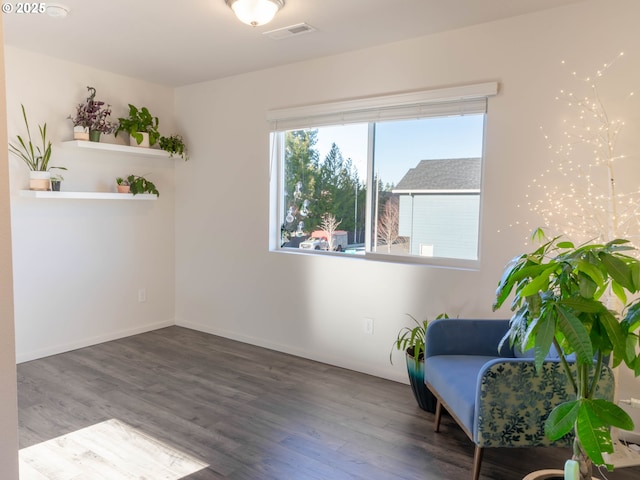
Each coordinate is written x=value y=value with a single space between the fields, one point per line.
x=462 y=100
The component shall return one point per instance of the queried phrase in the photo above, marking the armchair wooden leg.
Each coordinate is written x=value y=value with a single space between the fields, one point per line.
x=438 y=415
x=477 y=461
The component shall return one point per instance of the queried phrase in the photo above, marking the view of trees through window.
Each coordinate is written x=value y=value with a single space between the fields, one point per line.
x=425 y=183
x=316 y=186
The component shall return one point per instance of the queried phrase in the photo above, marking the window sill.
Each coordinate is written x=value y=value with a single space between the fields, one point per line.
x=449 y=263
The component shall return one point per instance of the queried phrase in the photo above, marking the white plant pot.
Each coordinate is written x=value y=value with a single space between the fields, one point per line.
x=80 y=133
x=39 y=180
x=144 y=143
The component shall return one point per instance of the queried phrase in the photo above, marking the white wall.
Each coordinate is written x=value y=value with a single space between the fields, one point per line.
x=8 y=390
x=227 y=282
x=78 y=264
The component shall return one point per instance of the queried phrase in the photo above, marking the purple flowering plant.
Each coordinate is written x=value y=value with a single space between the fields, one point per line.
x=93 y=115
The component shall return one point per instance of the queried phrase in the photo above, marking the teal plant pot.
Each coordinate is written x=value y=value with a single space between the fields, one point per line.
x=422 y=394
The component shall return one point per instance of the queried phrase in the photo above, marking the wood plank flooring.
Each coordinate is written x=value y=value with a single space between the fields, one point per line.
x=109 y=450
x=255 y=414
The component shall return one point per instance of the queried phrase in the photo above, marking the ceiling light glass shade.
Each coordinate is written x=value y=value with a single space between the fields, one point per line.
x=255 y=12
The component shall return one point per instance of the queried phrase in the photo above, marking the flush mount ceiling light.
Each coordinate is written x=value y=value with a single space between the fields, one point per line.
x=57 y=11
x=255 y=12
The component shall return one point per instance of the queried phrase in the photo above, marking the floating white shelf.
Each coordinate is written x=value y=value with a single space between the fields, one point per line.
x=111 y=147
x=86 y=195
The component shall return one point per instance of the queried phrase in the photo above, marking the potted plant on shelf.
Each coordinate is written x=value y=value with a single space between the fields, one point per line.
x=412 y=342
x=563 y=297
x=141 y=126
x=139 y=184
x=56 y=181
x=91 y=119
x=35 y=157
x=122 y=185
x=175 y=146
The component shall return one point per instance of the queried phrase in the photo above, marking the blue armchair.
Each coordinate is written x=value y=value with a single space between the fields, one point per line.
x=497 y=398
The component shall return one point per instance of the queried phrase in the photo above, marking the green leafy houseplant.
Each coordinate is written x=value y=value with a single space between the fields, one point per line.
x=412 y=340
x=175 y=146
x=35 y=157
x=139 y=121
x=123 y=185
x=56 y=181
x=140 y=184
x=561 y=294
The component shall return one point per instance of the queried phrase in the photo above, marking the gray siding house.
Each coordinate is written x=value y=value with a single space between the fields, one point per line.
x=440 y=207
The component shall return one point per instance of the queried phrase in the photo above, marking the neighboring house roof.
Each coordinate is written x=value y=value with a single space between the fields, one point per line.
x=445 y=175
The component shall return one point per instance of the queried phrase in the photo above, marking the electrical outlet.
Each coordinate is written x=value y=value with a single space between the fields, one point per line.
x=142 y=295
x=368 y=326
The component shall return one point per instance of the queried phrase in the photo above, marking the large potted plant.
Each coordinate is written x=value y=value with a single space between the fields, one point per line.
x=141 y=126
x=34 y=156
x=91 y=119
x=411 y=340
x=565 y=296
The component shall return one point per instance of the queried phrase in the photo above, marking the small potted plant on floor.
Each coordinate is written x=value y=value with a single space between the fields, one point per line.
x=139 y=184
x=35 y=157
x=411 y=340
x=91 y=119
x=565 y=296
x=141 y=126
x=122 y=185
x=175 y=146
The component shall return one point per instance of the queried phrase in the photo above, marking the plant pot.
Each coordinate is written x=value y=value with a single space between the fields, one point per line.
x=39 y=180
x=547 y=475
x=94 y=135
x=55 y=185
x=422 y=394
x=124 y=188
x=80 y=133
x=145 y=140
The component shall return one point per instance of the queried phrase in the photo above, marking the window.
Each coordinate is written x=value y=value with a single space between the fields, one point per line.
x=396 y=177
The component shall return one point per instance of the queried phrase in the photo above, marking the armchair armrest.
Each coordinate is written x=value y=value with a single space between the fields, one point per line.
x=453 y=336
x=513 y=401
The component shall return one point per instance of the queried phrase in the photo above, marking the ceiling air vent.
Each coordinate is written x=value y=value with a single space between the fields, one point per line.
x=290 y=31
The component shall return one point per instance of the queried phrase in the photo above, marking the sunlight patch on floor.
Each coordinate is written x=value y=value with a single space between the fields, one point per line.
x=107 y=450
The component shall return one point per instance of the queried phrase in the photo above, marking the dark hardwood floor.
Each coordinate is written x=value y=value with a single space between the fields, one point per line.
x=252 y=413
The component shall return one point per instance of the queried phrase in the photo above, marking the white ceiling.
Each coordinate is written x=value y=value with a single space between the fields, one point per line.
x=180 y=42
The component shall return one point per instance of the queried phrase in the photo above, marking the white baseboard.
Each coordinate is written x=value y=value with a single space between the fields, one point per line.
x=315 y=356
x=87 y=342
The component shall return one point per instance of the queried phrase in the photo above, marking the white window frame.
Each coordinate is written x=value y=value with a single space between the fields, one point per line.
x=419 y=104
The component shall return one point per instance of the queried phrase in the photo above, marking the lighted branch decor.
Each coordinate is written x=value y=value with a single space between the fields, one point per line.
x=588 y=204
x=580 y=197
